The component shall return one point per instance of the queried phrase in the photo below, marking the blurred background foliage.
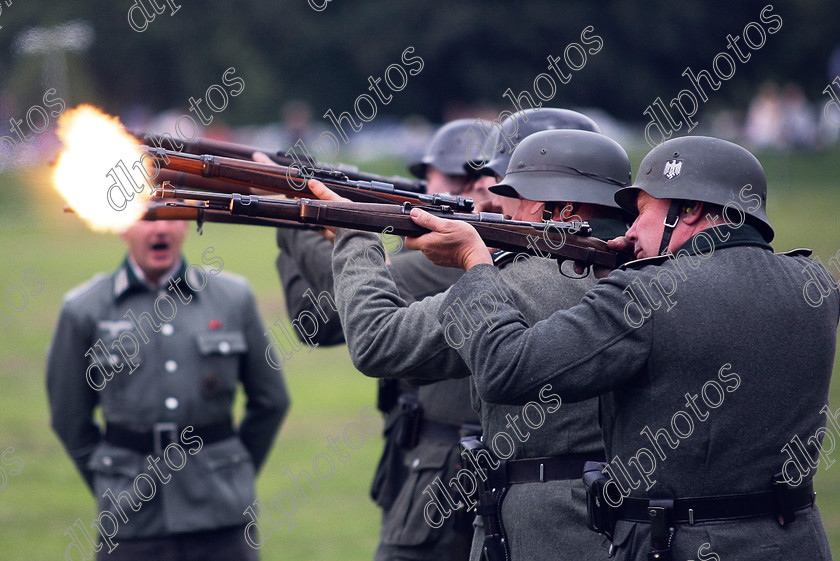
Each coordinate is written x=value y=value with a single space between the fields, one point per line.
x=474 y=50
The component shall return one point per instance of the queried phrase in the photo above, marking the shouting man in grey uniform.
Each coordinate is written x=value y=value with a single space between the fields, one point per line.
x=687 y=348
x=161 y=348
x=533 y=507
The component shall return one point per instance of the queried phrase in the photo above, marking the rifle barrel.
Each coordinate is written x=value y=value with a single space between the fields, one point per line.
x=560 y=240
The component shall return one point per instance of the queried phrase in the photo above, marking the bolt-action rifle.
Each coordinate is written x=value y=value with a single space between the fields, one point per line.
x=285 y=180
x=559 y=240
x=310 y=168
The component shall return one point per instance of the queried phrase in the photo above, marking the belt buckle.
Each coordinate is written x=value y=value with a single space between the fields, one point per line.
x=158 y=430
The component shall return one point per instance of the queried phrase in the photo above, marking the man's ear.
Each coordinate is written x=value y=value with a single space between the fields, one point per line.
x=533 y=209
x=691 y=213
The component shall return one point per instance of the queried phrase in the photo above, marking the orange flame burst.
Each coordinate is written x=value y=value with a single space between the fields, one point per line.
x=91 y=170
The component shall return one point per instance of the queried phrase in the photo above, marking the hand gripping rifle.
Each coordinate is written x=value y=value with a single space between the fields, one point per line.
x=310 y=168
x=559 y=240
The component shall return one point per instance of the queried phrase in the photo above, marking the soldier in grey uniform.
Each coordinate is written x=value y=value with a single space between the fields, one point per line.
x=422 y=425
x=537 y=510
x=687 y=352
x=160 y=347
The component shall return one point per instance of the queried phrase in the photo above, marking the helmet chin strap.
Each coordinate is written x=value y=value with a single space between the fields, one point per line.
x=548 y=211
x=670 y=223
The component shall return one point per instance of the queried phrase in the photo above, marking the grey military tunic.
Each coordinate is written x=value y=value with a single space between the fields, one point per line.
x=185 y=373
x=736 y=333
x=305 y=263
x=543 y=520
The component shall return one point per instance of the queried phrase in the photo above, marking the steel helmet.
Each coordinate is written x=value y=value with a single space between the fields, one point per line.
x=447 y=150
x=701 y=168
x=496 y=149
x=566 y=165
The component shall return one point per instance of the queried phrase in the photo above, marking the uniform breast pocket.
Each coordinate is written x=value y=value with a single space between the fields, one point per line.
x=221 y=353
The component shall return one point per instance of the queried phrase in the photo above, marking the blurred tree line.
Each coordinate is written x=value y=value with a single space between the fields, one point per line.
x=473 y=51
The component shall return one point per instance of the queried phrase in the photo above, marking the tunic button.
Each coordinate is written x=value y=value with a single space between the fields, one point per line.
x=171 y=366
x=224 y=347
x=167 y=329
x=415 y=463
x=107 y=461
x=171 y=403
x=115 y=359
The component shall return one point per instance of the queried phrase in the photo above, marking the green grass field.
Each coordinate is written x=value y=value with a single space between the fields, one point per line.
x=338 y=521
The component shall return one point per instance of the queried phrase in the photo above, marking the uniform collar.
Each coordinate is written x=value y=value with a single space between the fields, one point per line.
x=140 y=275
x=726 y=236
x=127 y=280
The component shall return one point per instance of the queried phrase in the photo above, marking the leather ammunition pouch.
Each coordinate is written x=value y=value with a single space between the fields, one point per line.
x=493 y=487
x=600 y=516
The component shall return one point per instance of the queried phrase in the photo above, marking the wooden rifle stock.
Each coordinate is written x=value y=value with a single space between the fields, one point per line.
x=559 y=240
x=289 y=180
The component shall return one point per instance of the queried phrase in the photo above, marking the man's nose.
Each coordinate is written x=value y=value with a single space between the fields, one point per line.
x=631 y=233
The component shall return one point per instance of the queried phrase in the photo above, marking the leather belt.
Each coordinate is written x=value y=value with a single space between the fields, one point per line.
x=721 y=507
x=162 y=435
x=553 y=468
